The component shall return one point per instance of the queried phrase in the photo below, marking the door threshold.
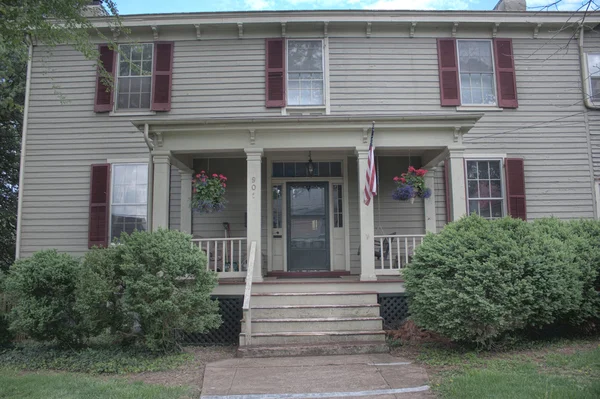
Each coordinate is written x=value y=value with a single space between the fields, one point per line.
x=309 y=274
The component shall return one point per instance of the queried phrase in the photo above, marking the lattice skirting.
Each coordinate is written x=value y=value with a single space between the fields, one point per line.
x=228 y=334
x=393 y=308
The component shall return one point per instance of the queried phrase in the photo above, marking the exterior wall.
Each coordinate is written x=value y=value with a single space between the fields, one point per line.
x=175 y=200
x=440 y=197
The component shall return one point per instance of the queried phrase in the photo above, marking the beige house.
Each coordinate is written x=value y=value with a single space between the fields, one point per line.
x=498 y=106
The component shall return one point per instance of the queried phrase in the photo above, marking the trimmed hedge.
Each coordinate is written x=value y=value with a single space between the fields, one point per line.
x=478 y=280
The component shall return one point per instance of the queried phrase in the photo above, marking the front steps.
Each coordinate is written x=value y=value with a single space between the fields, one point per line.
x=325 y=323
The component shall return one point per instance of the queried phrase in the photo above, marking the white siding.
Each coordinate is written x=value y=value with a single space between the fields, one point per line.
x=175 y=199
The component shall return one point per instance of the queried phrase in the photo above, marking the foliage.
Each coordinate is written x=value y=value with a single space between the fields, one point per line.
x=42 y=291
x=167 y=286
x=208 y=192
x=410 y=185
x=97 y=359
x=477 y=279
x=69 y=386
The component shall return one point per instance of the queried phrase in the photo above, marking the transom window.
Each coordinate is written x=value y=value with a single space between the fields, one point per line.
x=476 y=67
x=134 y=82
x=129 y=210
x=484 y=188
x=594 y=76
x=305 y=72
x=300 y=169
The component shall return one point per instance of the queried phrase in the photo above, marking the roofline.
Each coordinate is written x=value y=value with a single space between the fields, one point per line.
x=349 y=16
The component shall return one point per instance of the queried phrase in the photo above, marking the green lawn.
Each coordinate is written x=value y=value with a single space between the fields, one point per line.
x=564 y=370
x=75 y=386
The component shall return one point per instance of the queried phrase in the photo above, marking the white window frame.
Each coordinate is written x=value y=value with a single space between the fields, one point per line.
x=495 y=105
x=114 y=163
x=590 y=78
x=487 y=158
x=309 y=109
x=132 y=111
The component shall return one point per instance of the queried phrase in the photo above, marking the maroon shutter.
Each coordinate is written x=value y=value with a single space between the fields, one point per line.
x=505 y=73
x=515 y=188
x=448 y=68
x=161 y=76
x=99 y=205
x=447 y=190
x=275 y=73
x=104 y=93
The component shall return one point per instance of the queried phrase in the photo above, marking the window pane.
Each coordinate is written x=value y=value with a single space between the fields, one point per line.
x=134 y=101
x=475 y=56
x=595 y=82
x=593 y=64
x=293 y=97
x=485 y=209
x=494 y=169
x=305 y=55
x=136 y=53
x=473 y=189
x=496 y=188
x=136 y=85
x=277 y=169
x=145 y=100
x=324 y=169
x=146 y=82
x=277 y=209
x=290 y=169
x=496 y=209
x=483 y=170
x=336 y=169
x=484 y=189
x=473 y=207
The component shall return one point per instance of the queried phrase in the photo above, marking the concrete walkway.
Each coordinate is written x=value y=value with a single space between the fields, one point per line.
x=378 y=376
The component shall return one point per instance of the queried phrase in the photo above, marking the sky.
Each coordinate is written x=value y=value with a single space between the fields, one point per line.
x=173 y=6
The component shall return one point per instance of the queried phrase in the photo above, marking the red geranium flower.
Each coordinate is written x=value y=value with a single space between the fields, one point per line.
x=215 y=175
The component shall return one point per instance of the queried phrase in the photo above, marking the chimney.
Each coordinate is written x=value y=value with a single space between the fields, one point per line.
x=511 y=5
x=94 y=9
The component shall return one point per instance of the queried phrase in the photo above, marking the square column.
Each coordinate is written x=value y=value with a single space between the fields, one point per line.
x=457 y=184
x=430 y=211
x=185 y=223
x=161 y=183
x=253 y=190
x=367 y=222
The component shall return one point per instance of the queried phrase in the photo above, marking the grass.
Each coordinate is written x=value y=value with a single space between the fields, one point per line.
x=564 y=369
x=70 y=386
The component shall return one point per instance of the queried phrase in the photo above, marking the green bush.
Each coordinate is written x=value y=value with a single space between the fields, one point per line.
x=42 y=291
x=166 y=286
x=477 y=279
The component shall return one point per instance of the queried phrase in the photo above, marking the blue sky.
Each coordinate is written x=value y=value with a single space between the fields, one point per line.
x=162 y=6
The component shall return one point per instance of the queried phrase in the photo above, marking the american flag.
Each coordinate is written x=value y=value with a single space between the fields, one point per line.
x=371 y=182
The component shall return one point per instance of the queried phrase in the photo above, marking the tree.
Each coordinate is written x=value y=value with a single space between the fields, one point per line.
x=48 y=22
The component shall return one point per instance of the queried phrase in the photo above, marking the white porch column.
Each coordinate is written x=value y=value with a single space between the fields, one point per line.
x=185 y=223
x=430 y=211
x=367 y=222
x=253 y=190
x=457 y=183
x=160 y=199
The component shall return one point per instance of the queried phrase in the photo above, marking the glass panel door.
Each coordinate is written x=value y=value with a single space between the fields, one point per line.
x=308 y=226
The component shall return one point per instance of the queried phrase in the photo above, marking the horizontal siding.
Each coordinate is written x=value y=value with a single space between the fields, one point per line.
x=439 y=184
x=175 y=199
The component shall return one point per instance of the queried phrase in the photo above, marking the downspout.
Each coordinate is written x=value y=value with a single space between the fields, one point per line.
x=23 y=141
x=150 y=175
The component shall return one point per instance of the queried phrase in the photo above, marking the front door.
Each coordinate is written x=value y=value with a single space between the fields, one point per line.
x=308 y=226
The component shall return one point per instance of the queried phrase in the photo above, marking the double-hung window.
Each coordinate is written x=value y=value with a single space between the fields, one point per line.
x=593 y=64
x=305 y=68
x=129 y=199
x=485 y=193
x=476 y=68
x=134 y=79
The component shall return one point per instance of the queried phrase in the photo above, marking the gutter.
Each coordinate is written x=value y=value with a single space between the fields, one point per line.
x=23 y=143
x=150 y=175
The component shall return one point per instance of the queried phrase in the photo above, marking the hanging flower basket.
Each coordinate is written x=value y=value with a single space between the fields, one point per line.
x=411 y=185
x=208 y=192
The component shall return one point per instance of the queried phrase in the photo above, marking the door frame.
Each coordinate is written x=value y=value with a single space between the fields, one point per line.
x=302 y=156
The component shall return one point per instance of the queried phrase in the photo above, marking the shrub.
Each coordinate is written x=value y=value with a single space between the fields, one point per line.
x=166 y=285
x=42 y=291
x=477 y=279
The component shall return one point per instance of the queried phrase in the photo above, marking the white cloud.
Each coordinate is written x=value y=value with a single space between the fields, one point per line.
x=256 y=5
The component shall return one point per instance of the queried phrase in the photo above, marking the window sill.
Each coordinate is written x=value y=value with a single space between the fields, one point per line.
x=476 y=108
x=132 y=113
x=298 y=110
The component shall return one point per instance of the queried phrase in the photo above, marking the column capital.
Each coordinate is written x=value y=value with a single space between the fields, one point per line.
x=186 y=174
x=253 y=154
x=362 y=152
x=161 y=157
x=456 y=152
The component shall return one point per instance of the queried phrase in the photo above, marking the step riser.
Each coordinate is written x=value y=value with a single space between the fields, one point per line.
x=299 y=313
x=309 y=326
x=314 y=300
x=308 y=350
x=313 y=339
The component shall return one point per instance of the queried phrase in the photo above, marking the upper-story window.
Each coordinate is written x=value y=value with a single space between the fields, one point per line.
x=476 y=68
x=593 y=61
x=134 y=79
x=305 y=66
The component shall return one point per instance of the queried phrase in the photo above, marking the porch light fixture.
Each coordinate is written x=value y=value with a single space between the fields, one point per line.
x=310 y=166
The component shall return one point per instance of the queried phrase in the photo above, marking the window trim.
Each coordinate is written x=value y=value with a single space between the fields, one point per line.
x=486 y=157
x=308 y=109
x=118 y=162
x=494 y=77
x=131 y=111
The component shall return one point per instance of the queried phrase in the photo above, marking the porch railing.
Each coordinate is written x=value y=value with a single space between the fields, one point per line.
x=226 y=256
x=393 y=252
x=247 y=306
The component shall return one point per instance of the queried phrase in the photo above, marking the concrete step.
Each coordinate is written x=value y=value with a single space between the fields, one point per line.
x=315 y=337
x=314 y=311
x=313 y=298
x=319 y=324
x=328 y=349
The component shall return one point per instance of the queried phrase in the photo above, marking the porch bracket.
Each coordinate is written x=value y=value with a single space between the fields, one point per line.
x=252 y=136
x=198 y=32
x=413 y=26
x=495 y=29
x=155 y=32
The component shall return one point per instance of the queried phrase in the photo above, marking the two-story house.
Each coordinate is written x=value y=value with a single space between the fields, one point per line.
x=496 y=105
